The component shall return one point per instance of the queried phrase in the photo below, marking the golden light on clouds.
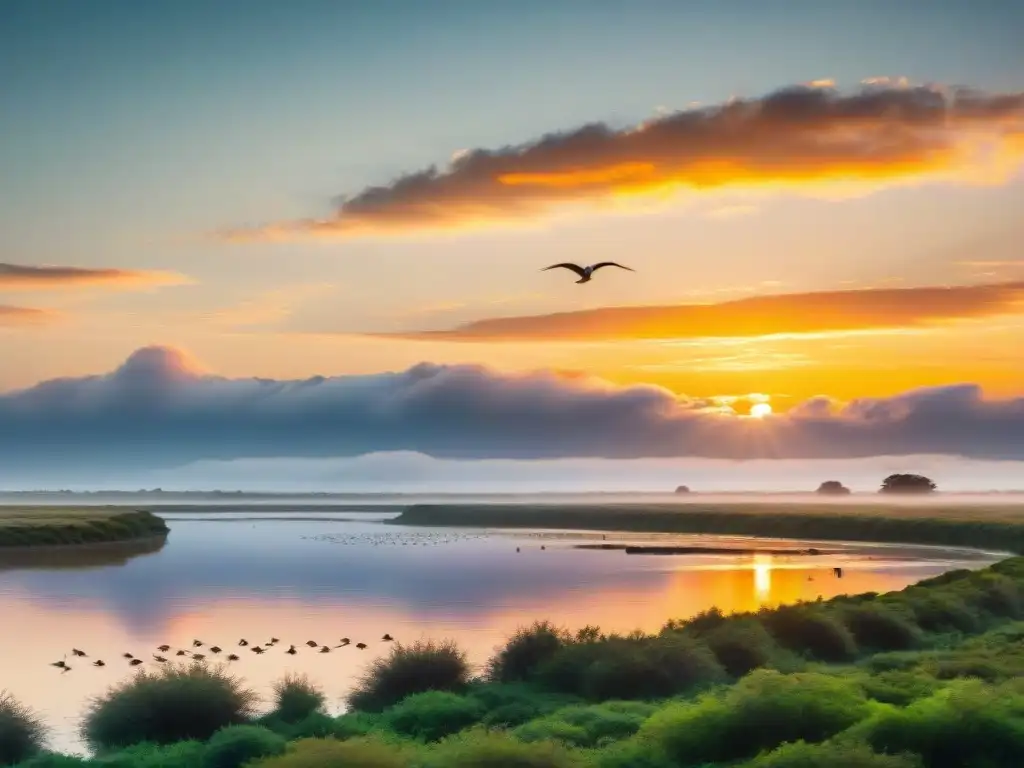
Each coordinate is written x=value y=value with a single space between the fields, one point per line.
x=24 y=277
x=808 y=138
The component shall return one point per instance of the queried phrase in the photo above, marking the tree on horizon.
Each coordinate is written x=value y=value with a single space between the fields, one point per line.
x=833 y=488
x=907 y=483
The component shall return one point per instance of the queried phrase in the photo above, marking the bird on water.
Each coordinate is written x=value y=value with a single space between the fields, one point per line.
x=586 y=273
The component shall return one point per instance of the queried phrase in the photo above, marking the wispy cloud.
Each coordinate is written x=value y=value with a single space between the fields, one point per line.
x=161 y=409
x=24 y=277
x=794 y=313
x=25 y=316
x=888 y=131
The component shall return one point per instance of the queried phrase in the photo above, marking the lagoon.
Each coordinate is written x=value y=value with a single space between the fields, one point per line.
x=224 y=576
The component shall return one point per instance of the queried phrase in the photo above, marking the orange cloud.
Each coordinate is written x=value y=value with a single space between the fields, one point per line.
x=23 y=277
x=886 y=132
x=25 y=316
x=795 y=313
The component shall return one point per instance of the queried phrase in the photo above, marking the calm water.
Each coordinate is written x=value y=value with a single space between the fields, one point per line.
x=322 y=577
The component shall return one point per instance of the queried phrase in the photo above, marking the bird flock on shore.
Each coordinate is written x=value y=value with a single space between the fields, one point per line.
x=200 y=651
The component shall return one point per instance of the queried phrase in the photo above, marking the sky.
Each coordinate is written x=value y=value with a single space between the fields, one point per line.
x=240 y=231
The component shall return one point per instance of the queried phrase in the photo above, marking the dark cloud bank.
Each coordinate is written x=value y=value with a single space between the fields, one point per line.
x=158 y=411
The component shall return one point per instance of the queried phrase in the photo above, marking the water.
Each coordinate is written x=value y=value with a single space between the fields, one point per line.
x=321 y=576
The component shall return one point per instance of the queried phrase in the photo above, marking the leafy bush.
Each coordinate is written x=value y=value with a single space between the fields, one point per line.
x=175 y=703
x=526 y=651
x=483 y=749
x=741 y=645
x=965 y=725
x=181 y=754
x=762 y=711
x=236 y=745
x=55 y=760
x=833 y=755
x=22 y=732
x=331 y=753
x=880 y=628
x=423 y=666
x=588 y=726
x=807 y=629
x=296 y=697
x=941 y=613
x=433 y=715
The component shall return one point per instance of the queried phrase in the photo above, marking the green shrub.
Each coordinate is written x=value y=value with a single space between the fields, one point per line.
x=936 y=612
x=175 y=703
x=55 y=760
x=762 y=711
x=331 y=753
x=181 y=754
x=482 y=749
x=830 y=755
x=633 y=753
x=525 y=651
x=433 y=715
x=423 y=666
x=588 y=726
x=296 y=697
x=236 y=745
x=511 y=704
x=22 y=732
x=741 y=645
x=965 y=725
x=879 y=628
x=808 y=630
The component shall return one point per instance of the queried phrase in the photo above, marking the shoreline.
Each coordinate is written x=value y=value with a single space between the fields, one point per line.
x=976 y=528
x=55 y=529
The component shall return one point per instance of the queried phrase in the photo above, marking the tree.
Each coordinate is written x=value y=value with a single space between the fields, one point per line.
x=900 y=483
x=683 y=489
x=833 y=488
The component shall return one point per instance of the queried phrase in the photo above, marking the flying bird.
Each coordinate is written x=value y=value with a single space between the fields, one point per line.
x=586 y=273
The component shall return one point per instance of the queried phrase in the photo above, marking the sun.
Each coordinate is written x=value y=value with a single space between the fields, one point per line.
x=760 y=410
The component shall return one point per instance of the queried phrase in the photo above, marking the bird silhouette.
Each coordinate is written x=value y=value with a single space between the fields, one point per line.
x=312 y=643
x=181 y=653
x=59 y=664
x=257 y=649
x=161 y=659
x=232 y=657
x=77 y=652
x=198 y=656
x=387 y=638
x=197 y=643
x=361 y=646
x=291 y=650
x=243 y=642
x=586 y=273
x=127 y=656
x=274 y=641
x=324 y=649
x=135 y=662
x=98 y=663
x=163 y=648
x=215 y=649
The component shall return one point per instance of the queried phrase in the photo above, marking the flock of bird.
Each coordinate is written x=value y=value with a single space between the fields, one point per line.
x=210 y=650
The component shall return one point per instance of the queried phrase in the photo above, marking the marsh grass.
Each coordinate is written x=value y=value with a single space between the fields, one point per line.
x=29 y=527
x=993 y=526
x=426 y=665
x=175 y=703
x=22 y=731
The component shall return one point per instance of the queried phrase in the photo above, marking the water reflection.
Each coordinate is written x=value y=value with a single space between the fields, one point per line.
x=323 y=580
x=80 y=557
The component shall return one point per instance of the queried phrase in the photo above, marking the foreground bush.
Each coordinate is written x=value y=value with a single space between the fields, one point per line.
x=433 y=715
x=181 y=754
x=296 y=697
x=331 y=753
x=22 y=732
x=762 y=711
x=741 y=645
x=175 y=703
x=483 y=749
x=808 y=630
x=526 y=651
x=423 y=666
x=877 y=627
x=803 y=755
x=236 y=745
x=588 y=726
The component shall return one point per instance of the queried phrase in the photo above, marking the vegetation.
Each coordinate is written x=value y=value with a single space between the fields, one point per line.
x=409 y=669
x=296 y=698
x=907 y=484
x=22 y=732
x=998 y=527
x=60 y=526
x=833 y=488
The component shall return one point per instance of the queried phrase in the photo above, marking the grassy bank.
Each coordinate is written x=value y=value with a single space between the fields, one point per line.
x=45 y=527
x=997 y=527
x=927 y=677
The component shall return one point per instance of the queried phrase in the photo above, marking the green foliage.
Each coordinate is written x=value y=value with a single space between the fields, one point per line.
x=432 y=715
x=526 y=651
x=741 y=645
x=494 y=749
x=425 y=665
x=172 y=704
x=236 y=745
x=181 y=754
x=296 y=697
x=965 y=725
x=762 y=711
x=875 y=626
x=55 y=760
x=800 y=754
x=809 y=630
x=588 y=726
x=57 y=527
x=22 y=732
x=331 y=753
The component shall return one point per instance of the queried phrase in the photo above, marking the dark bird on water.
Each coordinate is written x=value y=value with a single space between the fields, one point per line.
x=98 y=663
x=837 y=572
x=361 y=646
x=586 y=273
x=77 y=652
x=387 y=638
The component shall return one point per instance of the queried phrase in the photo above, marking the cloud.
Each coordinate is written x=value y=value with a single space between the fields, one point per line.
x=25 y=316
x=885 y=132
x=19 y=277
x=794 y=313
x=159 y=409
